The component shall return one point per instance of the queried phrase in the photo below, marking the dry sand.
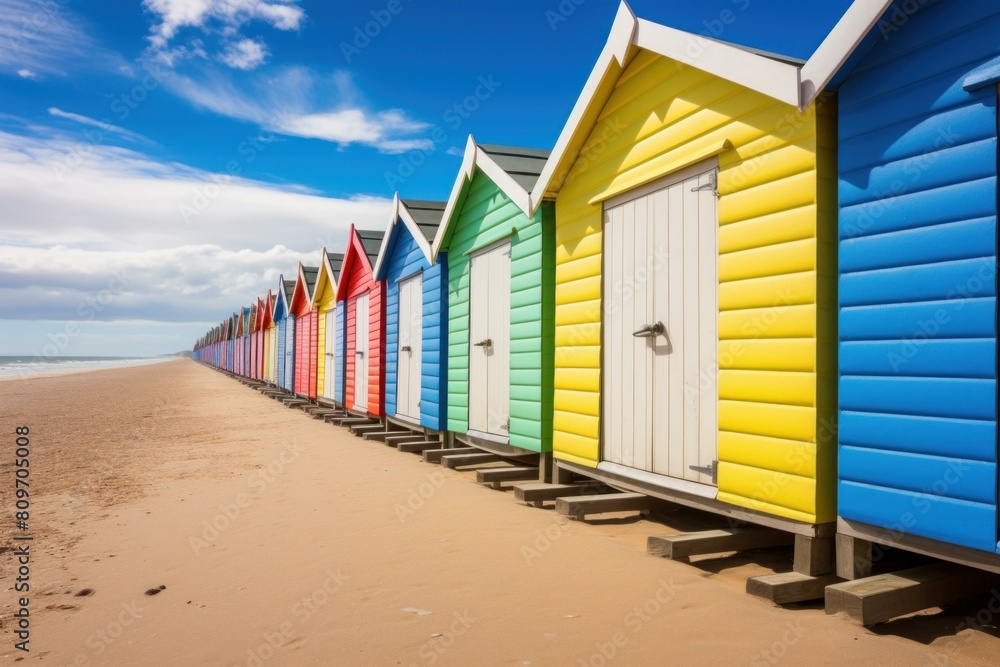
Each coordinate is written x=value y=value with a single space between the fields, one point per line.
x=330 y=550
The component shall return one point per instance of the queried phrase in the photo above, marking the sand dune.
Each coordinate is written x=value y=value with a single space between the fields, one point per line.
x=269 y=538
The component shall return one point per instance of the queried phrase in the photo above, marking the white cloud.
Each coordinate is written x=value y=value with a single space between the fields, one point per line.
x=245 y=54
x=100 y=124
x=287 y=100
x=119 y=210
x=38 y=38
x=224 y=18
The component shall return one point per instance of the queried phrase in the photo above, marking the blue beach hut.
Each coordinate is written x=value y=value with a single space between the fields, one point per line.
x=915 y=86
x=284 y=351
x=416 y=315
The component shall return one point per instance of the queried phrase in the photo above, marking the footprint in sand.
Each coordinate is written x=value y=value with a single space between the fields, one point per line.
x=156 y=591
x=85 y=593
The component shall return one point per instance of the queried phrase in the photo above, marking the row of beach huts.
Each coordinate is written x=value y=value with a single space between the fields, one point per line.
x=750 y=285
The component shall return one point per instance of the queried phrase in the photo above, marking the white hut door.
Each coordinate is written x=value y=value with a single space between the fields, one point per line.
x=330 y=371
x=489 y=341
x=361 y=352
x=408 y=358
x=660 y=340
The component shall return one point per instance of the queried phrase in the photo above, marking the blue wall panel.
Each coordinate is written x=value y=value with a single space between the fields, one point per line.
x=918 y=253
x=281 y=352
x=289 y=353
x=340 y=351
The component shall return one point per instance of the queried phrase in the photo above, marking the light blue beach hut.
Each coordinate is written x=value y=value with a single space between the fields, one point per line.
x=416 y=315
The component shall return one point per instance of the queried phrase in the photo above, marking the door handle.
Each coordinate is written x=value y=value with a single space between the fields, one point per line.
x=406 y=348
x=649 y=330
x=486 y=342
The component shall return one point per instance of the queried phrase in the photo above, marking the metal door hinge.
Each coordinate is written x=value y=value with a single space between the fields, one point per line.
x=506 y=426
x=712 y=185
x=711 y=469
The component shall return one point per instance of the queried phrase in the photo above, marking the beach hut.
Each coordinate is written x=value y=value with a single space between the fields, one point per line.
x=247 y=347
x=916 y=87
x=416 y=314
x=268 y=334
x=306 y=332
x=230 y=343
x=500 y=286
x=252 y=342
x=329 y=356
x=364 y=311
x=286 y=334
x=240 y=361
x=695 y=281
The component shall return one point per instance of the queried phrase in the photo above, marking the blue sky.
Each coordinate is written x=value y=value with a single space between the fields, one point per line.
x=162 y=161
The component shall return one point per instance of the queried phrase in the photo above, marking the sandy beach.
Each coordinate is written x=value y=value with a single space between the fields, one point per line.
x=271 y=538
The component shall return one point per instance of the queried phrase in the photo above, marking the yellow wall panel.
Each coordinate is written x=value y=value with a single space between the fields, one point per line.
x=583 y=402
x=791 y=422
x=786 y=290
x=768 y=487
x=792 y=225
x=783 y=354
x=578 y=335
x=780 y=455
x=578 y=379
x=782 y=387
x=573 y=423
x=772 y=322
x=772 y=260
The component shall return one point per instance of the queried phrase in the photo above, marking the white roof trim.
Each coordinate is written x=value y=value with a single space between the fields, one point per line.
x=765 y=75
x=476 y=158
x=839 y=45
x=400 y=212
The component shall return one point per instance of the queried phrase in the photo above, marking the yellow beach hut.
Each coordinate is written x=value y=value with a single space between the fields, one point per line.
x=696 y=281
x=328 y=363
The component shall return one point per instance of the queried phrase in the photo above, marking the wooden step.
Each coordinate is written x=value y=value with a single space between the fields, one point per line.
x=349 y=421
x=459 y=460
x=581 y=506
x=494 y=476
x=360 y=429
x=685 y=545
x=418 y=447
x=395 y=440
x=434 y=455
x=883 y=597
x=538 y=492
x=382 y=436
x=789 y=587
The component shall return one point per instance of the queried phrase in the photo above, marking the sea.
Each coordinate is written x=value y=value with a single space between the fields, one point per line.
x=31 y=365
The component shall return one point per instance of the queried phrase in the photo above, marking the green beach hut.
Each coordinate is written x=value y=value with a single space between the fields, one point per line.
x=500 y=261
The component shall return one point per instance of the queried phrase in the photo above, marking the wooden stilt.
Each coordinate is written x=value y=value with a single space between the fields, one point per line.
x=854 y=557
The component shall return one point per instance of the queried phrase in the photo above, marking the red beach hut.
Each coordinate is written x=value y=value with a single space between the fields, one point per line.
x=306 y=331
x=365 y=308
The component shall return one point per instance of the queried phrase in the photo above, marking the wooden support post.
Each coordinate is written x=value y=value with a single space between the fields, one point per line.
x=581 y=506
x=562 y=476
x=885 y=596
x=686 y=545
x=813 y=555
x=789 y=587
x=854 y=557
